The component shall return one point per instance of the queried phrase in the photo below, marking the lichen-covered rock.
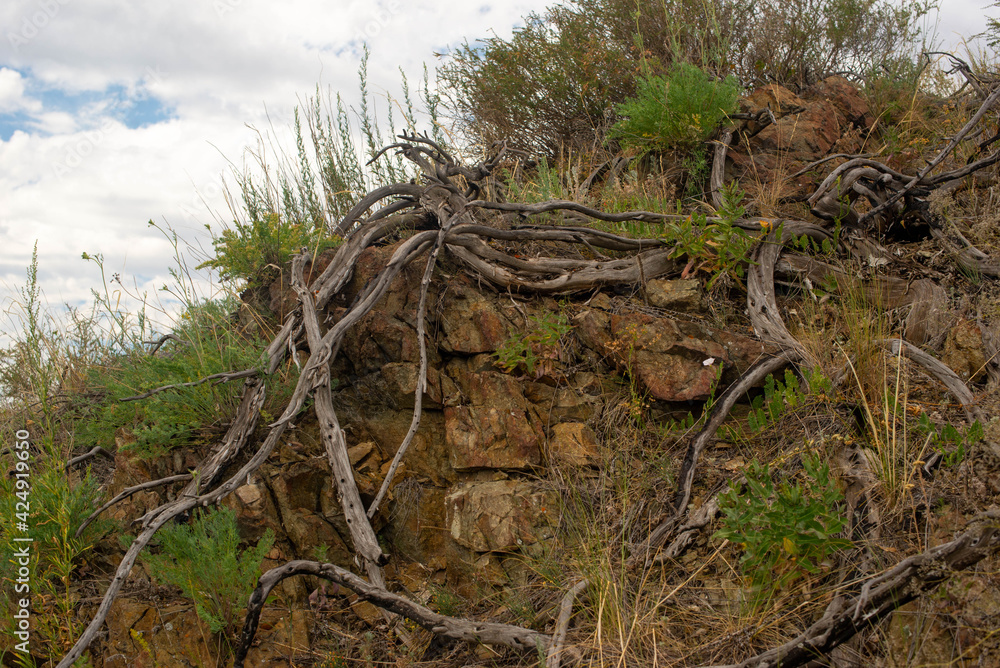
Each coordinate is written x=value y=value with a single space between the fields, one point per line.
x=676 y=295
x=499 y=515
x=574 y=444
x=964 y=351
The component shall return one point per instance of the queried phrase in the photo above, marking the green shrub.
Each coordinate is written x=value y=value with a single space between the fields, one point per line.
x=679 y=110
x=786 y=531
x=553 y=84
x=57 y=507
x=207 y=343
x=205 y=561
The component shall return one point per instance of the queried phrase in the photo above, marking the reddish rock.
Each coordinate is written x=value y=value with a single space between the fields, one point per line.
x=471 y=323
x=573 y=444
x=671 y=364
x=489 y=437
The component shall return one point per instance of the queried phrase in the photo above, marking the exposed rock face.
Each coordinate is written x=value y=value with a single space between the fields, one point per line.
x=499 y=516
x=829 y=117
x=466 y=494
x=677 y=295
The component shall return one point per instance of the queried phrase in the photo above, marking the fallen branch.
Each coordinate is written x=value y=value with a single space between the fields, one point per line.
x=554 y=657
x=489 y=633
x=125 y=493
x=93 y=452
x=990 y=101
x=219 y=378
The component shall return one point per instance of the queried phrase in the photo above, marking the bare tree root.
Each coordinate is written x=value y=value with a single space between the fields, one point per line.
x=90 y=454
x=219 y=378
x=489 y=633
x=554 y=657
x=126 y=493
x=885 y=593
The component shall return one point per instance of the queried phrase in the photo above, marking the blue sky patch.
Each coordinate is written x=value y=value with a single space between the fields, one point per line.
x=133 y=108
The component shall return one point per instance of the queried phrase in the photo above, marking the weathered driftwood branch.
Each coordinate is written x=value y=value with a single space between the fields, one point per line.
x=489 y=633
x=643 y=552
x=160 y=341
x=955 y=140
x=219 y=378
x=942 y=372
x=719 y=166
x=421 y=388
x=125 y=493
x=554 y=657
x=93 y=452
x=881 y=595
x=362 y=534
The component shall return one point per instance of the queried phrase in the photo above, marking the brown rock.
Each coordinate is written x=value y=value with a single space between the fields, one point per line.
x=416 y=524
x=575 y=444
x=255 y=511
x=846 y=98
x=964 y=351
x=677 y=295
x=471 y=323
x=673 y=365
x=427 y=456
x=164 y=636
x=499 y=515
x=491 y=437
x=494 y=427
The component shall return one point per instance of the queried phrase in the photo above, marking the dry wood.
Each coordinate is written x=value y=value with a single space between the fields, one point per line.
x=554 y=657
x=127 y=492
x=421 y=388
x=643 y=553
x=927 y=299
x=442 y=216
x=93 y=452
x=955 y=140
x=719 y=167
x=219 y=378
x=489 y=633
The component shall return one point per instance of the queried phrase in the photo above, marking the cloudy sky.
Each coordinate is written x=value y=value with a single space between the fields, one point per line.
x=113 y=113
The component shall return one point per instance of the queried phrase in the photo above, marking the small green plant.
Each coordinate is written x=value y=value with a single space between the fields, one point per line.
x=536 y=351
x=446 y=602
x=679 y=110
x=786 y=531
x=204 y=560
x=779 y=397
x=950 y=442
x=206 y=343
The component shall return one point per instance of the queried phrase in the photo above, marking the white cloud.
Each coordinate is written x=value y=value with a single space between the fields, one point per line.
x=77 y=179
x=12 y=96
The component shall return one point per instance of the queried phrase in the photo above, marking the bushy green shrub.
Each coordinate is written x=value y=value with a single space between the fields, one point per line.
x=786 y=531
x=206 y=343
x=553 y=84
x=205 y=561
x=546 y=88
x=45 y=505
x=679 y=110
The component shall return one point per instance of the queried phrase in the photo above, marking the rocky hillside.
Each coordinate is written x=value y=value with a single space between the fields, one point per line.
x=492 y=432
